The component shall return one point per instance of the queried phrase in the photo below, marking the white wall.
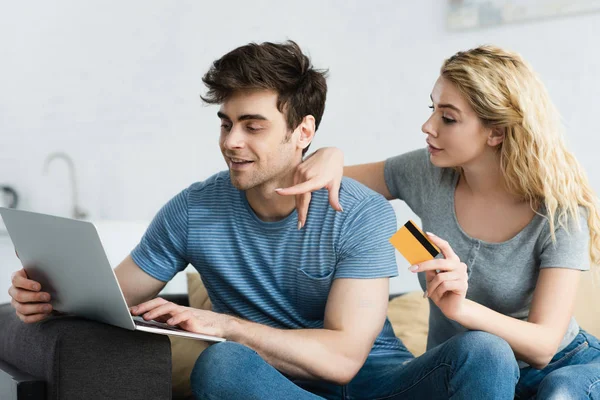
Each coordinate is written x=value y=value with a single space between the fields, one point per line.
x=115 y=84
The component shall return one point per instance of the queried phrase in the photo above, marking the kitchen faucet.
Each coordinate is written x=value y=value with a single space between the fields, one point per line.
x=77 y=212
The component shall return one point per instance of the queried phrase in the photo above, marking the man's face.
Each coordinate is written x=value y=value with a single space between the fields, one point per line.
x=255 y=141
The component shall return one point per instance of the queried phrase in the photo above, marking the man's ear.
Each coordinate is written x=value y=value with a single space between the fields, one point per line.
x=307 y=131
x=496 y=136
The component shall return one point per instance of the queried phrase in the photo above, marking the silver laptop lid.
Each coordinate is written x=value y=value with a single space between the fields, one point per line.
x=67 y=258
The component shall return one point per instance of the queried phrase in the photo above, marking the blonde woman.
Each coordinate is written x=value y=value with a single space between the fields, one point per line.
x=511 y=210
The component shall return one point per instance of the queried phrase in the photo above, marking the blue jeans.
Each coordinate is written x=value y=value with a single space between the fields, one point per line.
x=573 y=373
x=472 y=365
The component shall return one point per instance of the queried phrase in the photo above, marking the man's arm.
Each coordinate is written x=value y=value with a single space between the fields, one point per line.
x=137 y=285
x=354 y=316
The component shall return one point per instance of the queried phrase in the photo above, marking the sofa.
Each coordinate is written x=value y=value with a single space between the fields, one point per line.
x=73 y=358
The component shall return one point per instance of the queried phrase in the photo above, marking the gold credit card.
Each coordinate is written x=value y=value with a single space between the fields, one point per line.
x=413 y=244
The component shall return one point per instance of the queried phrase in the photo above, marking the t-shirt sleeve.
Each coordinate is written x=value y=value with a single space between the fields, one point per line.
x=410 y=178
x=571 y=249
x=365 y=250
x=162 y=251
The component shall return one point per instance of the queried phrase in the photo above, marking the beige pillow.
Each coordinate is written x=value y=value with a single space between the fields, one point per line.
x=185 y=351
x=586 y=304
x=409 y=315
x=197 y=292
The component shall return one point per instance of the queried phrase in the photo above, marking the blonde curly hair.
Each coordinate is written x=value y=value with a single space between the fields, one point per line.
x=506 y=93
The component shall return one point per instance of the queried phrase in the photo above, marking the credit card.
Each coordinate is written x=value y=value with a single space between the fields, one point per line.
x=413 y=244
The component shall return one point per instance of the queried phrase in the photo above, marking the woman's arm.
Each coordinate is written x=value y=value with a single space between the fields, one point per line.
x=370 y=175
x=324 y=169
x=534 y=341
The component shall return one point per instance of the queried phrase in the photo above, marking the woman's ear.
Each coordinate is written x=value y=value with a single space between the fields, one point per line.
x=307 y=131
x=495 y=137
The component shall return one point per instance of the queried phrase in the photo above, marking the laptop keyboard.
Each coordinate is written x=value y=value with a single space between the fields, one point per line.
x=155 y=324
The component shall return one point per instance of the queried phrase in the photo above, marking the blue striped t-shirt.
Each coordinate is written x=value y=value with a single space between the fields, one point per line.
x=271 y=272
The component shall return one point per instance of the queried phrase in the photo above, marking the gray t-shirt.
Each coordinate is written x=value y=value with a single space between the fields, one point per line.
x=502 y=276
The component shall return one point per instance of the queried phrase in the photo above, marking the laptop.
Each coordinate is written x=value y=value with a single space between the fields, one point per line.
x=67 y=258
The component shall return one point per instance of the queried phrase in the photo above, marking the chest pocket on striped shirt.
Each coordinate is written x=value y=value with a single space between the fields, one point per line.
x=311 y=294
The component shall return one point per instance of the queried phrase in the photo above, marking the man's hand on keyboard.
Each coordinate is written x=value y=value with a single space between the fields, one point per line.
x=187 y=318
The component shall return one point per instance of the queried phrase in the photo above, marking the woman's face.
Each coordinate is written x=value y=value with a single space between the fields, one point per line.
x=455 y=134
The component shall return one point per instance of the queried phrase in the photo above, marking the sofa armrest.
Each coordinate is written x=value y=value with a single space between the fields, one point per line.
x=17 y=385
x=79 y=358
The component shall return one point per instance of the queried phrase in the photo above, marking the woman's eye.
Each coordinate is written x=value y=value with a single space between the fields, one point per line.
x=431 y=107
x=448 y=120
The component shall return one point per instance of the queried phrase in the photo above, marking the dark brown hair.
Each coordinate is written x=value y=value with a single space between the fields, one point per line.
x=281 y=67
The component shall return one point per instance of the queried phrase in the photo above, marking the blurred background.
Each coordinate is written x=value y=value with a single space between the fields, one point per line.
x=100 y=115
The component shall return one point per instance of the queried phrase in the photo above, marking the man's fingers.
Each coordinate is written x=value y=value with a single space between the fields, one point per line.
x=20 y=273
x=301 y=188
x=147 y=306
x=27 y=296
x=29 y=319
x=195 y=321
x=164 y=309
x=180 y=318
x=31 y=308
x=20 y=280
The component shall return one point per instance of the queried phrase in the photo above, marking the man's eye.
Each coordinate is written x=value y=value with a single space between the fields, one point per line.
x=253 y=128
x=226 y=127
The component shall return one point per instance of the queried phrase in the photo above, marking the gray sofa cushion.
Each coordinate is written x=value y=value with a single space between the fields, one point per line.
x=82 y=359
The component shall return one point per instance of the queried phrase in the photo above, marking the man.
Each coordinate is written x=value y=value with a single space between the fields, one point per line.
x=301 y=307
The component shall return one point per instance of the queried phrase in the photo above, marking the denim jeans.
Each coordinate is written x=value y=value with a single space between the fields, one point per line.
x=573 y=373
x=473 y=365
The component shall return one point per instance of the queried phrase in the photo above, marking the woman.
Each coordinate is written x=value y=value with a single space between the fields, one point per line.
x=518 y=217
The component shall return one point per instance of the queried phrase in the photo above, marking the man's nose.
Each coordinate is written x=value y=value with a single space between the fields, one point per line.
x=234 y=139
